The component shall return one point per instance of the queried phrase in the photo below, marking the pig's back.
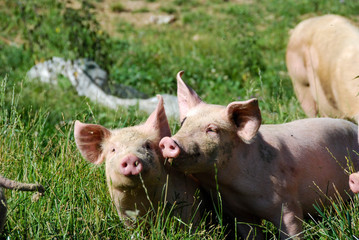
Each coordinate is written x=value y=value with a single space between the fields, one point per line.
x=312 y=130
x=314 y=154
x=313 y=134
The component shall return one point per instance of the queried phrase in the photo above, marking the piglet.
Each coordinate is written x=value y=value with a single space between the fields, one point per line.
x=137 y=177
x=274 y=172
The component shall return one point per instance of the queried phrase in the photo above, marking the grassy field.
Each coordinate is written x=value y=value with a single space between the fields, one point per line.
x=229 y=51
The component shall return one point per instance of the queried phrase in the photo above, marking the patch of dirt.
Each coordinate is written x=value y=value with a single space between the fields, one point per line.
x=135 y=12
x=137 y=5
x=138 y=13
x=242 y=1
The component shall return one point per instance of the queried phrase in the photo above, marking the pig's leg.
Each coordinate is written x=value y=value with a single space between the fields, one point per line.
x=301 y=82
x=291 y=222
x=250 y=230
x=306 y=100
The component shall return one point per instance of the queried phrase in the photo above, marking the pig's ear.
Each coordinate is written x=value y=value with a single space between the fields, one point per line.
x=158 y=120
x=187 y=97
x=247 y=118
x=89 y=139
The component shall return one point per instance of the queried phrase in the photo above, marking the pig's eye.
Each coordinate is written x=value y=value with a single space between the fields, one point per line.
x=212 y=129
x=113 y=150
x=148 y=145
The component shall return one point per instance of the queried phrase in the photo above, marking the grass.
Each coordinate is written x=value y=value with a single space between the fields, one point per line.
x=228 y=51
x=118 y=7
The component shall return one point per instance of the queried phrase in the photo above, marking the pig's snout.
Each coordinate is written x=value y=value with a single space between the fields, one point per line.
x=169 y=148
x=130 y=165
x=354 y=182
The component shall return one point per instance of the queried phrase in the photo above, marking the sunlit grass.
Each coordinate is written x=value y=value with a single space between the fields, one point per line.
x=229 y=51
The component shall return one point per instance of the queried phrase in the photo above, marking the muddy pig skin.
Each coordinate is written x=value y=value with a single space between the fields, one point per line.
x=274 y=172
x=132 y=153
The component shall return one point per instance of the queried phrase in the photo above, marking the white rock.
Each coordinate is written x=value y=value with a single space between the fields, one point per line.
x=90 y=83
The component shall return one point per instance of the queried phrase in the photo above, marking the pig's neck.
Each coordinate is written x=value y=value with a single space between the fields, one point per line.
x=241 y=175
x=173 y=188
x=181 y=191
x=136 y=200
x=245 y=160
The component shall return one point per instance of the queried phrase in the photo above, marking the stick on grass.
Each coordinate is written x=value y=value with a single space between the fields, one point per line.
x=10 y=184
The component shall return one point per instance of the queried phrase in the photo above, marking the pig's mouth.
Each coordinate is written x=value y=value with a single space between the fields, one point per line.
x=130 y=182
x=126 y=188
x=169 y=160
x=191 y=159
x=183 y=159
x=124 y=179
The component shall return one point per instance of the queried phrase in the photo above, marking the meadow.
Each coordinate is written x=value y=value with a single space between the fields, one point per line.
x=229 y=50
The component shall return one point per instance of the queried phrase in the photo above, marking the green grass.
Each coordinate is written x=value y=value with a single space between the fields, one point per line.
x=228 y=51
x=118 y=7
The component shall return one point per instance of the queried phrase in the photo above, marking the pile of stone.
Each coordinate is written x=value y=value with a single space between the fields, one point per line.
x=91 y=81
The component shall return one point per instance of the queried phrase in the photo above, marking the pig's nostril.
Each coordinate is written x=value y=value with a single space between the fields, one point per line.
x=172 y=147
x=136 y=163
x=124 y=165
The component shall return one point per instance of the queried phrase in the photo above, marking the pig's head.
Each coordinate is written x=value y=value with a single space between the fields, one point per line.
x=130 y=153
x=209 y=133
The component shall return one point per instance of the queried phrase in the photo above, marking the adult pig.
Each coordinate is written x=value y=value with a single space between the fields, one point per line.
x=273 y=172
x=136 y=174
x=323 y=62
